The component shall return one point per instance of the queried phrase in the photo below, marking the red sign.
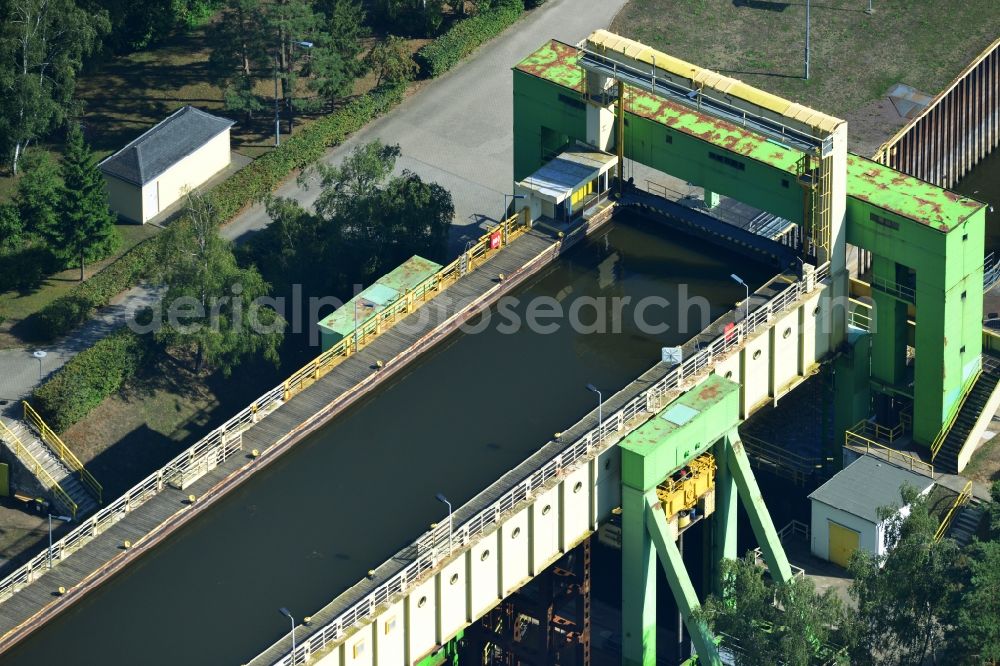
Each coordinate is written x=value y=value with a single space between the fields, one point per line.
x=495 y=240
x=729 y=331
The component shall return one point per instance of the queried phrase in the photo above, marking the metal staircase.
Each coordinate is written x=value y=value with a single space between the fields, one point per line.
x=51 y=472
x=966 y=524
x=946 y=459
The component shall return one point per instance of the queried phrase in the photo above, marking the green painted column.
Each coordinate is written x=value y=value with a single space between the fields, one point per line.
x=680 y=583
x=753 y=502
x=724 y=519
x=852 y=390
x=638 y=583
x=889 y=332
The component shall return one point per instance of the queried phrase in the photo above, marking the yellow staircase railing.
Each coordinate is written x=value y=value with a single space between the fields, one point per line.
x=960 y=501
x=946 y=428
x=862 y=438
x=35 y=467
x=59 y=447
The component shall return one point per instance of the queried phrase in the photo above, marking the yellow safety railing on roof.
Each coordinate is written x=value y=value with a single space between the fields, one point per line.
x=862 y=438
x=35 y=467
x=59 y=447
x=477 y=253
x=946 y=428
x=960 y=501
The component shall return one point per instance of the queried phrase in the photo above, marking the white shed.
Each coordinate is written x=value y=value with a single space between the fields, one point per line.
x=158 y=168
x=845 y=508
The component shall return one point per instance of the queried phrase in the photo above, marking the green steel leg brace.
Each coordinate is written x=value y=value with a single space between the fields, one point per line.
x=753 y=502
x=680 y=582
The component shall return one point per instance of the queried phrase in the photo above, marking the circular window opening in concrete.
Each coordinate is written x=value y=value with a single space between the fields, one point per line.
x=788 y=331
x=422 y=602
x=578 y=487
x=454 y=579
x=485 y=556
x=607 y=464
x=516 y=533
x=729 y=374
x=545 y=511
x=756 y=355
x=816 y=311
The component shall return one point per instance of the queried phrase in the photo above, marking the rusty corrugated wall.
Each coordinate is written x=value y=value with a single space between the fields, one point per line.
x=956 y=130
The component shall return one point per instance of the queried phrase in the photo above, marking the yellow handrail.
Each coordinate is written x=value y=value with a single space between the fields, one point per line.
x=857 y=436
x=55 y=443
x=946 y=428
x=23 y=454
x=304 y=377
x=960 y=501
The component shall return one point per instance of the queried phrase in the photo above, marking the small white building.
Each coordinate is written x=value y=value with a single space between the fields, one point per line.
x=173 y=157
x=845 y=508
x=567 y=185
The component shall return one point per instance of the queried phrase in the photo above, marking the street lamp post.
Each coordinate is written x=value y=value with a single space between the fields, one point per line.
x=277 y=115
x=451 y=525
x=39 y=354
x=807 y=40
x=287 y=613
x=746 y=302
x=512 y=197
x=64 y=518
x=600 y=411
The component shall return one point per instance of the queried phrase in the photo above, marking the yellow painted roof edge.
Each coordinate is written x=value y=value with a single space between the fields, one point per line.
x=709 y=79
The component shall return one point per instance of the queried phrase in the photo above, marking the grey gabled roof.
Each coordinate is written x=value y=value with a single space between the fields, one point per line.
x=866 y=485
x=165 y=144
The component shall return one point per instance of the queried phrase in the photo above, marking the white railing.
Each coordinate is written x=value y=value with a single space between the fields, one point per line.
x=432 y=547
x=180 y=472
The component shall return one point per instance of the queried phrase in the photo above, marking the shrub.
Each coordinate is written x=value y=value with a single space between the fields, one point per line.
x=72 y=309
x=246 y=186
x=466 y=36
x=90 y=376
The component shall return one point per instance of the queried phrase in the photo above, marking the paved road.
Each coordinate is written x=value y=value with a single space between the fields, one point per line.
x=456 y=131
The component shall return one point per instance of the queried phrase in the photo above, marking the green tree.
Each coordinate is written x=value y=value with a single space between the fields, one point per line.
x=391 y=61
x=334 y=61
x=974 y=636
x=11 y=228
x=243 y=52
x=904 y=597
x=366 y=223
x=293 y=25
x=765 y=623
x=211 y=304
x=42 y=46
x=38 y=194
x=85 y=227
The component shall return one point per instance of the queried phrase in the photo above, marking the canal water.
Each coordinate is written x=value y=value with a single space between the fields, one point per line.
x=310 y=525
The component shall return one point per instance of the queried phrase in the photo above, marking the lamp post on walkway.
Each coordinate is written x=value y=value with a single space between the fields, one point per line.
x=39 y=355
x=600 y=411
x=287 y=613
x=64 y=518
x=451 y=524
x=746 y=303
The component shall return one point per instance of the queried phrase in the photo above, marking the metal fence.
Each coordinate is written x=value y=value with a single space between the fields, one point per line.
x=63 y=452
x=13 y=440
x=227 y=439
x=428 y=549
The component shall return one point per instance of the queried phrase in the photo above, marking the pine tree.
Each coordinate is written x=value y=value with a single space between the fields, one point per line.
x=85 y=230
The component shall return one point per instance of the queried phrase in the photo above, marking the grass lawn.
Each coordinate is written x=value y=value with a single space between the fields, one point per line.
x=985 y=463
x=16 y=306
x=854 y=57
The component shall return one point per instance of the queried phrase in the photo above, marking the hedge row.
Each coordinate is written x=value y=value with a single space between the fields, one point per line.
x=466 y=36
x=90 y=376
x=246 y=186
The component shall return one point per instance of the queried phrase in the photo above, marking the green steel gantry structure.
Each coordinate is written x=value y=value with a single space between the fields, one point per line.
x=926 y=247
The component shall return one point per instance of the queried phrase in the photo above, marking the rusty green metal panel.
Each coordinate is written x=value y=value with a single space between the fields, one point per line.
x=688 y=427
x=904 y=195
x=555 y=62
x=720 y=133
